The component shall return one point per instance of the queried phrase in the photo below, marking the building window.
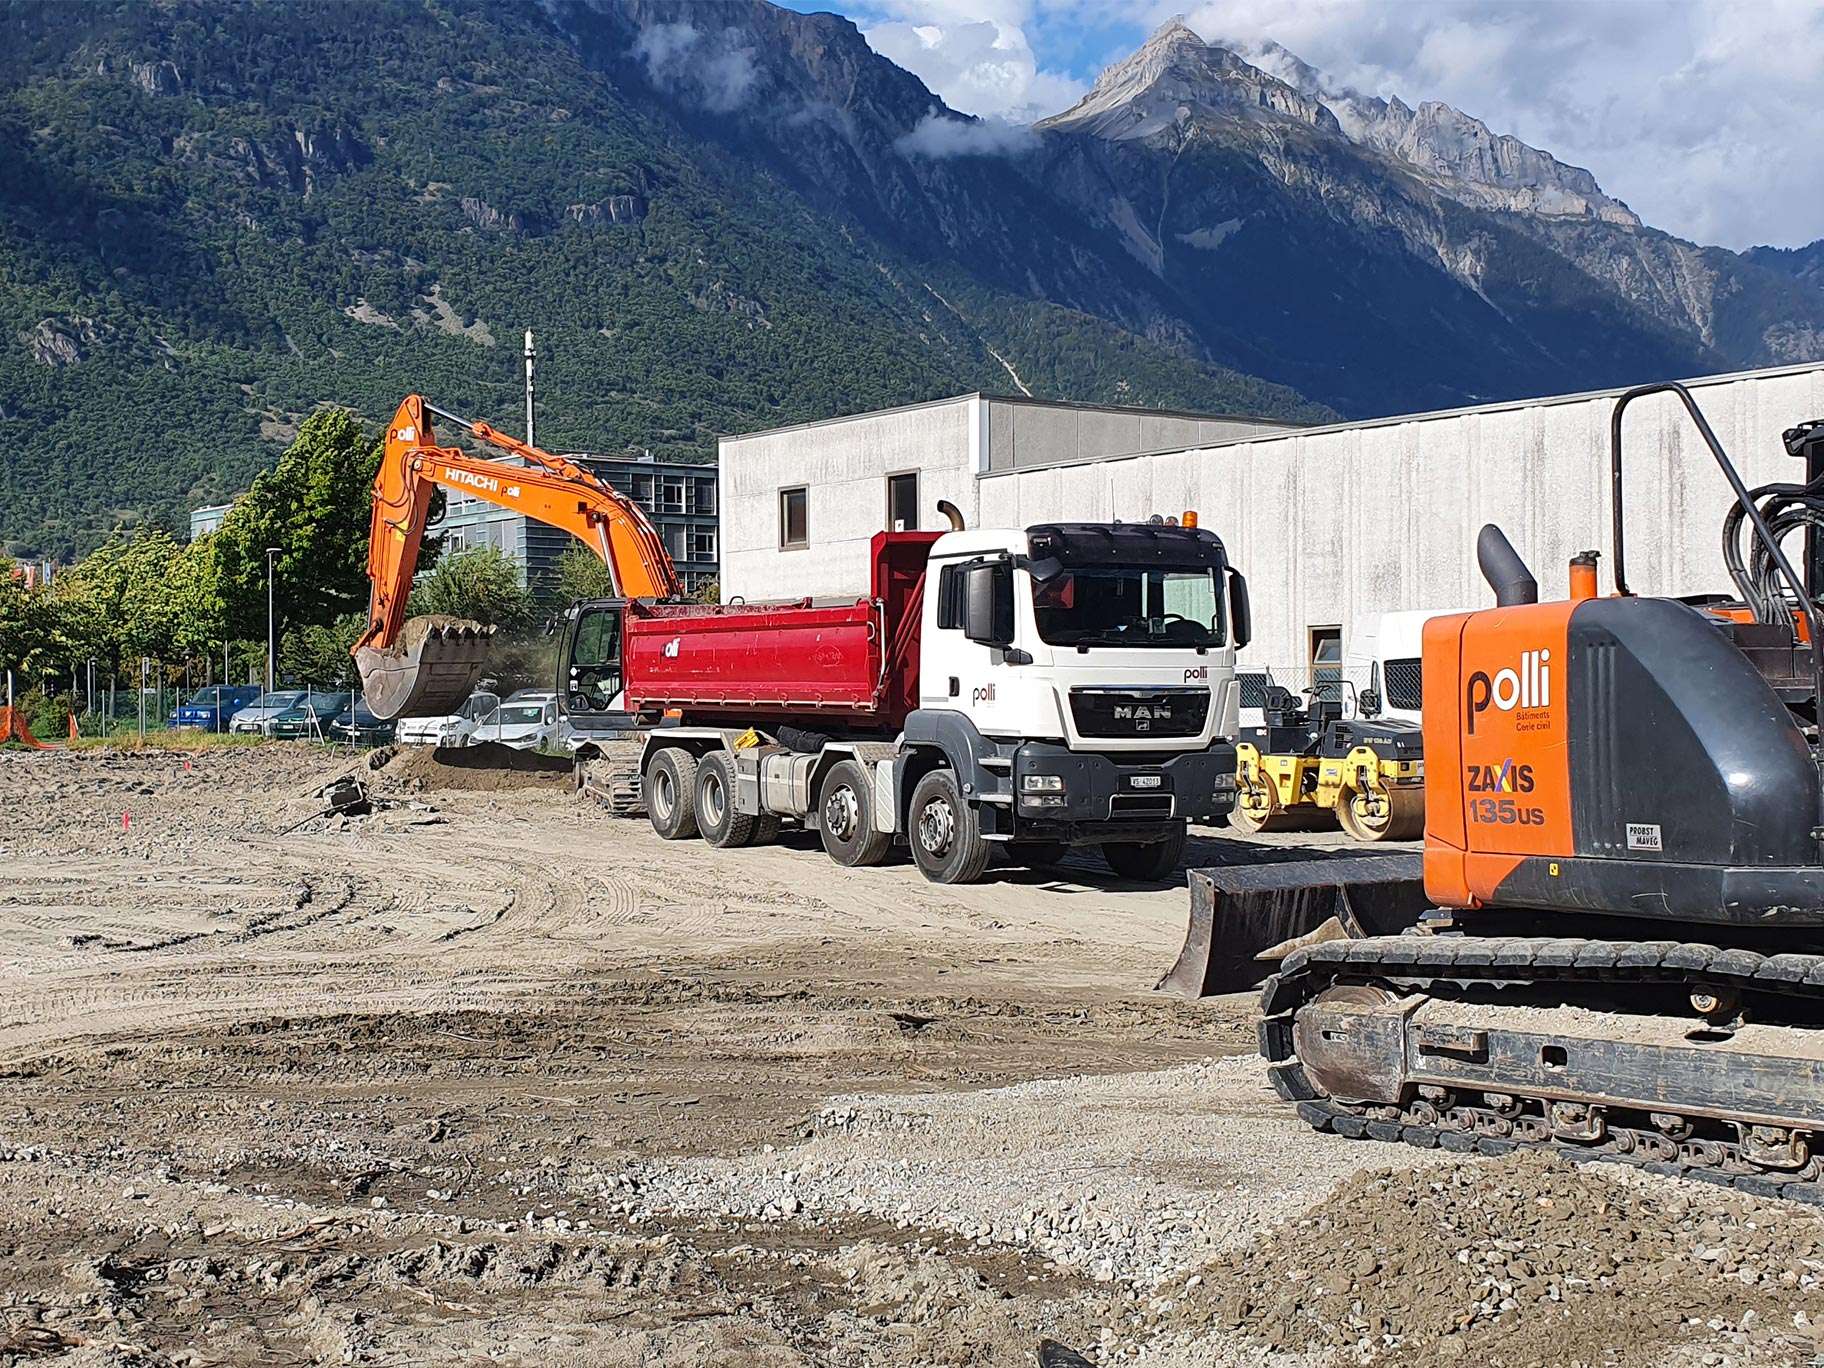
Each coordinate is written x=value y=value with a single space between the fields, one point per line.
x=902 y=503
x=674 y=541
x=703 y=496
x=1326 y=662
x=640 y=486
x=671 y=494
x=702 y=543
x=794 y=517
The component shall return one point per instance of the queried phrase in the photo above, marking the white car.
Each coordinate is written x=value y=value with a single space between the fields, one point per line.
x=257 y=716
x=525 y=722
x=452 y=729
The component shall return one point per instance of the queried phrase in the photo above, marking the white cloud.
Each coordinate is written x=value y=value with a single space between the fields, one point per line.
x=1704 y=115
x=973 y=53
x=713 y=69
x=938 y=136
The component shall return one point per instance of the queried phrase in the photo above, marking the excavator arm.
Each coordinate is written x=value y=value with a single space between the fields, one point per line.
x=430 y=664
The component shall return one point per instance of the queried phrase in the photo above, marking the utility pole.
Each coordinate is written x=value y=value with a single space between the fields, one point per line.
x=271 y=634
x=531 y=356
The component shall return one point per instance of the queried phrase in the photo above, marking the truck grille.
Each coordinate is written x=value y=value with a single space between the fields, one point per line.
x=1139 y=712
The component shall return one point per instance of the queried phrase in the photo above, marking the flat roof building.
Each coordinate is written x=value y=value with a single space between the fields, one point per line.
x=679 y=497
x=1332 y=525
x=802 y=502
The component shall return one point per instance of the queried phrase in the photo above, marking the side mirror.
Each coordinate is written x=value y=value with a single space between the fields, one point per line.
x=981 y=586
x=1241 y=617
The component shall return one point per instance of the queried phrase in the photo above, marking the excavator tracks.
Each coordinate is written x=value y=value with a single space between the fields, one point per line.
x=610 y=777
x=1414 y=1026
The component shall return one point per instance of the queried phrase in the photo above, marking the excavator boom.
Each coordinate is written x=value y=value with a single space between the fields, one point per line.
x=429 y=665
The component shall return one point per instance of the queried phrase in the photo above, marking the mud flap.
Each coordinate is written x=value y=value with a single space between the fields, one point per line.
x=430 y=672
x=1237 y=911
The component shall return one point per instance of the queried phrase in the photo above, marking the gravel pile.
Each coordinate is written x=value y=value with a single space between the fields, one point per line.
x=1129 y=1178
x=1528 y=1260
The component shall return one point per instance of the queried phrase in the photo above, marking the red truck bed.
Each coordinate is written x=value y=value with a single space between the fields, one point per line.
x=847 y=666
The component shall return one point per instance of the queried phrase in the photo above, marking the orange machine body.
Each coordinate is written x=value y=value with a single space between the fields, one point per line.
x=1497 y=747
x=549 y=489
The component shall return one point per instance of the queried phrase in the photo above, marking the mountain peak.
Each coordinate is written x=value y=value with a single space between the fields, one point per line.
x=1174 y=74
x=1456 y=153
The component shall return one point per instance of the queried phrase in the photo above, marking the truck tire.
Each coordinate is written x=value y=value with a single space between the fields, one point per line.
x=1146 y=863
x=717 y=820
x=845 y=817
x=670 y=788
x=946 y=836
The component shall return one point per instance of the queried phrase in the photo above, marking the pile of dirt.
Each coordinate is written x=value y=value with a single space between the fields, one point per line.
x=484 y=768
x=1532 y=1260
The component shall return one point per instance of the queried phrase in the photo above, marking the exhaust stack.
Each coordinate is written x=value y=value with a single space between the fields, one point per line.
x=952 y=512
x=1502 y=567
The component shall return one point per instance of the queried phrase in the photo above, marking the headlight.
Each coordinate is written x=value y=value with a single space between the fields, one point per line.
x=1224 y=781
x=1042 y=800
x=1042 y=783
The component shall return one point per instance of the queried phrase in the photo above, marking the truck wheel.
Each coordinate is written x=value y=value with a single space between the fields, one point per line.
x=1145 y=863
x=947 y=842
x=845 y=816
x=717 y=819
x=671 y=793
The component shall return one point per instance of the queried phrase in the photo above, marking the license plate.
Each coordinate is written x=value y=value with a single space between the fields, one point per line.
x=1146 y=780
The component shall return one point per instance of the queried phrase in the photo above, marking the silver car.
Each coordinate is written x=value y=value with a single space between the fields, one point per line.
x=524 y=722
x=257 y=716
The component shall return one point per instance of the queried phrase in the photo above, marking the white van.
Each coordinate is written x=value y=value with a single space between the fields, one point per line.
x=1384 y=656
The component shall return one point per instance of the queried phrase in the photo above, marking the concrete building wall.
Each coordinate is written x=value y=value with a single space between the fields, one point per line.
x=1335 y=525
x=843 y=468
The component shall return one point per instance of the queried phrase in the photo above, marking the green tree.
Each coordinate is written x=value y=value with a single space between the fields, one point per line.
x=22 y=627
x=479 y=583
x=319 y=655
x=314 y=507
x=580 y=573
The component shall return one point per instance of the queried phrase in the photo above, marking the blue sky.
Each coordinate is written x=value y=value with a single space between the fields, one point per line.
x=1704 y=115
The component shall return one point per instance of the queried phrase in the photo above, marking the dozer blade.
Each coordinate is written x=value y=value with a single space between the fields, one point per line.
x=430 y=672
x=1237 y=911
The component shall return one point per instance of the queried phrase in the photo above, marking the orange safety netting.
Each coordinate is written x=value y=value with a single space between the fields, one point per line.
x=13 y=728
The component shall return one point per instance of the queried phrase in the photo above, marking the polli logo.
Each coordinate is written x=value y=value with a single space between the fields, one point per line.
x=1529 y=686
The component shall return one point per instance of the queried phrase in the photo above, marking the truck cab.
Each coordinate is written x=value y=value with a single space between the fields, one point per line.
x=1080 y=680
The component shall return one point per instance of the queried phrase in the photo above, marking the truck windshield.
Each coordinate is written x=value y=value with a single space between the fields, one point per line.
x=1119 y=605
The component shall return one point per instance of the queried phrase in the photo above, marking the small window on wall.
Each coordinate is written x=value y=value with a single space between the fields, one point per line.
x=1326 y=662
x=902 y=503
x=794 y=517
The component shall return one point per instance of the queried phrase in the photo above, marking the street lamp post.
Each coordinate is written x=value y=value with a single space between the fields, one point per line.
x=271 y=637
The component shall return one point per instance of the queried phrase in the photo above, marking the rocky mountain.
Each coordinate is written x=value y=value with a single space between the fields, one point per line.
x=721 y=215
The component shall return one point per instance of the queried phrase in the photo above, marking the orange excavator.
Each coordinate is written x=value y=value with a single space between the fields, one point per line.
x=430 y=664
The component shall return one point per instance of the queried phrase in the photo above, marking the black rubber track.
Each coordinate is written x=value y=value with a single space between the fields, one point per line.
x=1417 y=959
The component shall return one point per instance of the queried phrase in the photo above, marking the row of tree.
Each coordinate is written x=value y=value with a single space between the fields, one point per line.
x=191 y=605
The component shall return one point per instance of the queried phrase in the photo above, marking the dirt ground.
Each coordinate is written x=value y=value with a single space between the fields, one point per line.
x=488 y=1076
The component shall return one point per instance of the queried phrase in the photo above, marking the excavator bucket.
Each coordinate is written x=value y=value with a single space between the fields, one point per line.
x=431 y=671
x=1239 y=911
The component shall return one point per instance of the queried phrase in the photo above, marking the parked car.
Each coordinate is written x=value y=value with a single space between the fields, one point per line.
x=257 y=715
x=452 y=729
x=308 y=717
x=213 y=707
x=356 y=726
x=525 y=722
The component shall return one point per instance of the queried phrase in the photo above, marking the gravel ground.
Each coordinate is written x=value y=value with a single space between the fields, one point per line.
x=486 y=1076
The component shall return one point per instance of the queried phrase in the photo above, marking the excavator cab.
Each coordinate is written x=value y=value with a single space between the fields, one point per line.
x=589 y=675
